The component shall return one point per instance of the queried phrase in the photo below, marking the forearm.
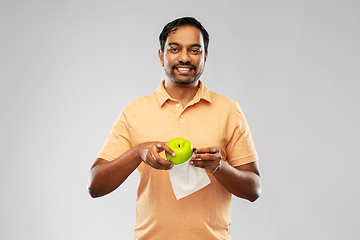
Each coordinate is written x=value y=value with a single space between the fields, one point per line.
x=242 y=183
x=106 y=176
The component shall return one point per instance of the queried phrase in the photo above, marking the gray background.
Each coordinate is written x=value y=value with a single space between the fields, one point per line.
x=69 y=67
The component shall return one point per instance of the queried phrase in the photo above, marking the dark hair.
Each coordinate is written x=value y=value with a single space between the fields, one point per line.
x=184 y=21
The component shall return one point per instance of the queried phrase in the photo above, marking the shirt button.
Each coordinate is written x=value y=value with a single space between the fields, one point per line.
x=177 y=105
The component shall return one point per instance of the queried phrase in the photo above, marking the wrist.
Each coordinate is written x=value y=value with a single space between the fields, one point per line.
x=217 y=168
x=139 y=154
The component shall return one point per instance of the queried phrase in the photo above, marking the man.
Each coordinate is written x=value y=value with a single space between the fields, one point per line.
x=181 y=107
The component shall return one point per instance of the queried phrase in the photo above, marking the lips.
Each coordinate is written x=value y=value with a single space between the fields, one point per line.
x=184 y=69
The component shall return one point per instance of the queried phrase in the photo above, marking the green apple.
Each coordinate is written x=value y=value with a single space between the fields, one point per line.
x=182 y=148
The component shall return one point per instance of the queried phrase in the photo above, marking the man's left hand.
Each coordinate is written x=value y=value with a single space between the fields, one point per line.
x=208 y=158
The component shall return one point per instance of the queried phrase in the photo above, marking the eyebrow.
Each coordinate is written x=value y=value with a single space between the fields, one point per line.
x=192 y=45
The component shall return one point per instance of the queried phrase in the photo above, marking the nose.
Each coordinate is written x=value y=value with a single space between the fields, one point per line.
x=184 y=57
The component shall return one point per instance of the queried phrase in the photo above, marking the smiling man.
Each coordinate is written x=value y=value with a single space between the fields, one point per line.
x=182 y=106
x=185 y=57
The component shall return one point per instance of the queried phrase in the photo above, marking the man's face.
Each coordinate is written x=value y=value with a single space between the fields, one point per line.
x=184 y=55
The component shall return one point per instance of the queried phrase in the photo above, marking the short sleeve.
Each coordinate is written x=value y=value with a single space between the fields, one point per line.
x=117 y=142
x=240 y=149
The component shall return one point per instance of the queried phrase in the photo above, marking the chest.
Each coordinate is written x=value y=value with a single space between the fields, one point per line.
x=202 y=125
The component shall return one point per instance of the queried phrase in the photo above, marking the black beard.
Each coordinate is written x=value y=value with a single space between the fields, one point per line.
x=175 y=80
x=171 y=76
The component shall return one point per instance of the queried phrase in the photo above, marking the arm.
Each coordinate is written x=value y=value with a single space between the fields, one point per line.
x=243 y=181
x=106 y=176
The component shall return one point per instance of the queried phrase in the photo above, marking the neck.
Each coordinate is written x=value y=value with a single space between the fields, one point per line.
x=182 y=93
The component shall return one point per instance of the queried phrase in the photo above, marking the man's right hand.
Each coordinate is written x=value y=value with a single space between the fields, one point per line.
x=149 y=154
x=106 y=176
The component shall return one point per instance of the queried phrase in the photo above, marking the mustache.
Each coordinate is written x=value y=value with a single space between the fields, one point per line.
x=183 y=64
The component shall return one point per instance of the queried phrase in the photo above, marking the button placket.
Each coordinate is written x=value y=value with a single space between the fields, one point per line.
x=178 y=109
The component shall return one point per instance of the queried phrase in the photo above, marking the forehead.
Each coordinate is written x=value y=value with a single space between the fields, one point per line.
x=186 y=35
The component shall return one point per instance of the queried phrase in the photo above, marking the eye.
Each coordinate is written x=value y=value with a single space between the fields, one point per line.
x=173 y=50
x=196 y=51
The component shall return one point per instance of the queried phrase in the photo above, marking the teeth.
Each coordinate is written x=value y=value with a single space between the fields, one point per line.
x=183 y=69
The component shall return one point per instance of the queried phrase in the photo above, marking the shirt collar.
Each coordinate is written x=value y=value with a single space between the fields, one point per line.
x=202 y=93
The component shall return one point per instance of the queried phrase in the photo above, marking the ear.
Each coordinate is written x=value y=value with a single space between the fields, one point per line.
x=161 y=56
x=206 y=56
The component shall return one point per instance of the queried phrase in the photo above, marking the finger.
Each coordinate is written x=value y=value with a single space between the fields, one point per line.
x=204 y=164
x=163 y=147
x=150 y=160
x=207 y=150
x=160 y=162
x=207 y=156
x=165 y=164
